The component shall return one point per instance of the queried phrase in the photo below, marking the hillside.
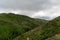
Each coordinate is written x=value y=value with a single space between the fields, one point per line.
x=55 y=37
x=12 y=25
x=43 y=33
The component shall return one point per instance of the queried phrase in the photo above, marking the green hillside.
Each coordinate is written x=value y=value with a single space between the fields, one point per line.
x=12 y=25
x=20 y=27
x=44 y=32
x=55 y=37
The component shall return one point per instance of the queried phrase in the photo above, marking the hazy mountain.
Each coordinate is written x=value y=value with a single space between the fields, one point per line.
x=43 y=17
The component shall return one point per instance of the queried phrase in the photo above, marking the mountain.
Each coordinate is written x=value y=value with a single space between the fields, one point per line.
x=50 y=29
x=13 y=25
x=43 y=17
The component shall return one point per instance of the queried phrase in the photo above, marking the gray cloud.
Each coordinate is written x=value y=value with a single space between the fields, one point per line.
x=31 y=5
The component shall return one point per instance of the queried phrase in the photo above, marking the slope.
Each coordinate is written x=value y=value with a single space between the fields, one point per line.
x=12 y=25
x=54 y=37
x=49 y=29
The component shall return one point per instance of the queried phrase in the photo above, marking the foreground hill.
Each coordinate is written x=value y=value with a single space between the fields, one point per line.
x=43 y=33
x=55 y=37
x=12 y=25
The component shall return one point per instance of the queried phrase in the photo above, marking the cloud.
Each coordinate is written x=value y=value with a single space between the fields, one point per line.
x=28 y=13
x=43 y=8
x=31 y=5
x=50 y=13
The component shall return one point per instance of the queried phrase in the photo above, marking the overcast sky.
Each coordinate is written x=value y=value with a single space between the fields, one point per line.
x=46 y=9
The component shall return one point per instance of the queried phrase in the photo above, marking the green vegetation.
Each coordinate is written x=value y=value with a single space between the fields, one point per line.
x=55 y=37
x=20 y=27
x=44 y=32
x=12 y=25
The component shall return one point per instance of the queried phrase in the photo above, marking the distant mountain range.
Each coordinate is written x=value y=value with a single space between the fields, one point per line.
x=43 y=17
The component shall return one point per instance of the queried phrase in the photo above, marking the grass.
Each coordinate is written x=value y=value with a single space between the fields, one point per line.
x=44 y=32
x=13 y=25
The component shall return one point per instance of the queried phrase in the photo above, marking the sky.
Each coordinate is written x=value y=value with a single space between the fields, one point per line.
x=45 y=9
